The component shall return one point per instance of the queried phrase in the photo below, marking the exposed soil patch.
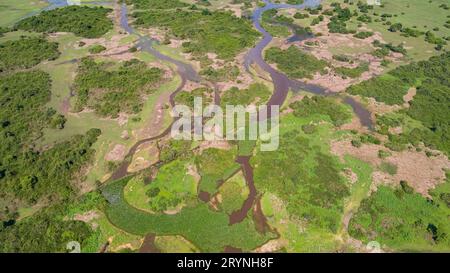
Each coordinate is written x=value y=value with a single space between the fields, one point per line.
x=117 y=153
x=230 y=249
x=146 y=155
x=272 y=246
x=235 y=9
x=216 y=144
x=409 y=96
x=155 y=125
x=114 y=49
x=88 y=217
x=420 y=171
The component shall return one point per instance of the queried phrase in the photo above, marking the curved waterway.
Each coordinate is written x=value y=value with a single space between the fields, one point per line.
x=282 y=85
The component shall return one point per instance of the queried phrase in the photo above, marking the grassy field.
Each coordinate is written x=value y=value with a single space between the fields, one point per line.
x=174 y=189
x=424 y=15
x=12 y=11
x=63 y=72
x=206 y=229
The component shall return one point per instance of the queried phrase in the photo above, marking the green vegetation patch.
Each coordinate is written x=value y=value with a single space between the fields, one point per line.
x=386 y=88
x=352 y=72
x=303 y=174
x=188 y=98
x=276 y=25
x=157 y=4
x=51 y=228
x=110 y=92
x=171 y=187
x=208 y=230
x=43 y=233
x=427 y=118
x=294 y=62
x=224 y=74
x=233 y=193
x=403 y=221
x=323 y=107
x=88 y=22
x=26 y=53
x=26 y=173
x=215 y=166
x=96 y=49
x=256 y=91
x=208 y=31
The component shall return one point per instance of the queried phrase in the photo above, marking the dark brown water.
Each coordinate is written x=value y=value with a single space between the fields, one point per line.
x=239 y=215
x=186 y=72
x=282 y=85
x=148 y=246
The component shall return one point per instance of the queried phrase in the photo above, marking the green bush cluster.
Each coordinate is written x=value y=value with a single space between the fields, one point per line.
x=403 y=220
x=83 y=21
x=308 y=181
x=110 y=92
x=212 y=31
x=318 y=105
x=294 y=62
x=26 y=53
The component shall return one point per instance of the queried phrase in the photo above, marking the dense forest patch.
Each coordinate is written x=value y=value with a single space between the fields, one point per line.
x=429 y=106
x=26 y=52
x=157 y=4
x=294 y=62
x=402 y=220
x=51 y=229
x=25 y=173
x=88 y=22
x=110 y=92
x=387 y=89
x=208 y=31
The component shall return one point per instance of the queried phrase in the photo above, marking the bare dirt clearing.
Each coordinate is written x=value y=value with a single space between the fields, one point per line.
x=420 y=171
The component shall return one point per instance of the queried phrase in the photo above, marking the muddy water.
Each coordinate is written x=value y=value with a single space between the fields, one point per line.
x=186 y=72
x=281 y=82
x=148 y=246
x=282 y=85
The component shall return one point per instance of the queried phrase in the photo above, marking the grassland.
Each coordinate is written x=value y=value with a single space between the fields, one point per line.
x=417 y=15
x=12 y=11
x=206 y=229
x=402 y=220
x=214 y=166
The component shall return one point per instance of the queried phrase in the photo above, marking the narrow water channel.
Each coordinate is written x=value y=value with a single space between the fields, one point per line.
x=282 y=85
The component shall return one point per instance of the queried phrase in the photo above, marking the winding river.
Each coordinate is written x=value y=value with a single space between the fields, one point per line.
x=282 y=85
